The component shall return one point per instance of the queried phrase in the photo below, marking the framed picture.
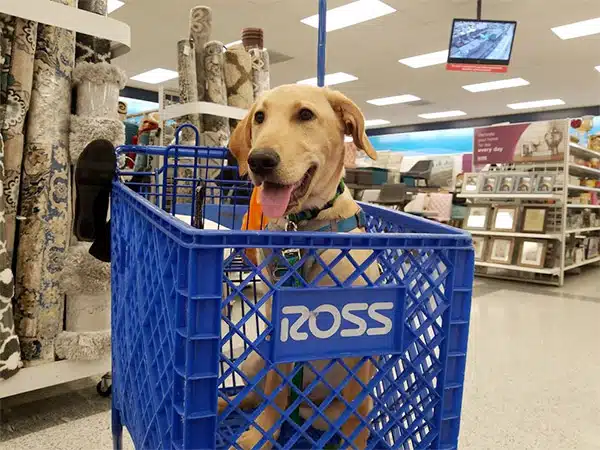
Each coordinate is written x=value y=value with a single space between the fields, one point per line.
x=532 y=254
x=524 y=184
x=477 y=218
x=489 y=184
x=505 y=218
x=534 y=220
x=479 y=243
x=544 y=183
x=507 y=183
x=471 y=183
x=501 y=250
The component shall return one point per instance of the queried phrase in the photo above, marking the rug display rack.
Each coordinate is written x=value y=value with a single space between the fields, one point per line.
x=37 y=70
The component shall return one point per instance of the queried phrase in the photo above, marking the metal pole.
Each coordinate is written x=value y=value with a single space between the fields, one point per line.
x=322 y=42
x=479 y=9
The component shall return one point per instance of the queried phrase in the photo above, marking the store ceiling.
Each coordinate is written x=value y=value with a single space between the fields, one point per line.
x=371 y=50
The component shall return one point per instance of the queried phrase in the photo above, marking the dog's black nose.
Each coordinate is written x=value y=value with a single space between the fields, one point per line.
x=263 y=161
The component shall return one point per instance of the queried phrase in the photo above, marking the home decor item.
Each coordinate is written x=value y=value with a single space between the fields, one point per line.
x=7 y=34
x=45 y=193
x=238 y=79
x=261 y=79
x=534 y=220
x=216 y=92
x=532 y=253
x=18 y=101
x=471 y=183
x=525 y=184
x=592 y=247
x=501 y=250
x=200 y=30
x=479 y=244
x=507 y=184
x=98 y=86
x=89 y=48
x=477 y=218
x=188 y=84
x=489 y=184
x=505 y=218
x=544 y=183
x=253 y=38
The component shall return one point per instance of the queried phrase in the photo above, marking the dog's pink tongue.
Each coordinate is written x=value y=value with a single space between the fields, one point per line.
x=275 y=200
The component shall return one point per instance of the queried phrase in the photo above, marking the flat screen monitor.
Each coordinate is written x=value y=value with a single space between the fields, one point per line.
x=481 y=41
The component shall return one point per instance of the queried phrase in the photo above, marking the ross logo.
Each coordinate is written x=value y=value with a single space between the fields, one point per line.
x=348 y=322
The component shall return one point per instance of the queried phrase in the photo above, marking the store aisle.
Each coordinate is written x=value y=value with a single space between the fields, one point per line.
x=532 y=378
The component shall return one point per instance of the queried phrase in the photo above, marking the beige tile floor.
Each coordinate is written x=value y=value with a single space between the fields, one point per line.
x=532 y=382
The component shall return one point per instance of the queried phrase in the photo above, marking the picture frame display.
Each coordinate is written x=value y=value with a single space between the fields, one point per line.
x=489 y=184
x=532 y=253
x=501 y=250
x=471 y=183
x=534 y=220
x=505 y=218
x=479 y=244
x=524 y=184
x=507 y=184
x=477 y=218
x=544 y=183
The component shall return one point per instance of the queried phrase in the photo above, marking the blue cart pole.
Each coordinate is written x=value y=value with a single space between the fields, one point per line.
x=322 y=42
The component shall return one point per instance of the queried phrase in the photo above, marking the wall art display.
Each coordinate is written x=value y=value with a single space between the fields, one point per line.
x=544 y=183
x=489 y=184
x=532 y=254
x=525 y=184
x=507 y=183
x=479 y=243
x=505 y=218
x=501 y=250
x=477 y=218
x=471 y=183
x=534 y=220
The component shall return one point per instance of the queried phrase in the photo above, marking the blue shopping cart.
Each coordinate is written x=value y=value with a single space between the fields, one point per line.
x=189 y=307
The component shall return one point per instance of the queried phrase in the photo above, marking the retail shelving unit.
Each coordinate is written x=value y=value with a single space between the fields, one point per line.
x=563 y=204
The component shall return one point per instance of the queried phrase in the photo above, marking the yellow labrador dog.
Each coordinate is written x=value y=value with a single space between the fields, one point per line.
x=292 y=145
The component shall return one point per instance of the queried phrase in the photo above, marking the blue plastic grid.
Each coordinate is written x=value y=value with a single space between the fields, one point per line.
x=189 y=309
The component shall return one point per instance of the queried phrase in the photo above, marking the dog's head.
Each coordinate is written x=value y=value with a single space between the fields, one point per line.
x=292 y=143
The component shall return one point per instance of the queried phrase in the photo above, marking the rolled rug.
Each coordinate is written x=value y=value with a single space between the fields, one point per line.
x=18 y=101
x=45 y=231
x=82 y=346
x=216 y=91
x=188 y=84
x=261 y=78
x=98 y=86
x=238 y=79
x=89 y=48
x=200 y=30
x=7 y=33
x=86 y=129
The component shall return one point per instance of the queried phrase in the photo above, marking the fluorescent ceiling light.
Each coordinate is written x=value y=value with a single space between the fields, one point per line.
x=331 y=79
x=375 y=122
x=406 y=98
x=495 y=85
x=443 y=114
x=428 y=59
x=351 y=14
x=231 y=44
x=578 y=29
x=113 y=5
x=156 y=76
x=597 y=68
x=536 y=104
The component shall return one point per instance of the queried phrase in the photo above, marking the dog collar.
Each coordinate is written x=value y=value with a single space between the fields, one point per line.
x=311 y=214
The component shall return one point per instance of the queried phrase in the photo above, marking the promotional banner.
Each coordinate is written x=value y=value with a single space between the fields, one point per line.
x=522 y=142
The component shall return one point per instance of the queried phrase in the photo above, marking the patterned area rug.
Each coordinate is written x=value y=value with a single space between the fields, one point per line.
x=261 y=78
x=200 y=30
x=188 y=85
x=90 y=48
x=238 y=78
x=216 y=91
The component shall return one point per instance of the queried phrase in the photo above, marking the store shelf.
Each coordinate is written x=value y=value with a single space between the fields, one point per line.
x=583 y=230
x=577 y=169
x=52 y=373
x=511 y=234
x=214 y=109
x=531 y=196
x=63 y=16
x=583 y=188
x=582 y=206
x=582 y=152
x=583 y=263
x=553 y=271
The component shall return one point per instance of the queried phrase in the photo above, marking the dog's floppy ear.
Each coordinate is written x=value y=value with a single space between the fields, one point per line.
x=240 y=142
x=353 y=119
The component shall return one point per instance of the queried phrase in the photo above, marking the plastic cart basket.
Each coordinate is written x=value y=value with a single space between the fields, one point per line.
x=188 y=308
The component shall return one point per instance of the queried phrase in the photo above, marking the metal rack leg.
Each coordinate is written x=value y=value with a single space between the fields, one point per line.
x=117 y=429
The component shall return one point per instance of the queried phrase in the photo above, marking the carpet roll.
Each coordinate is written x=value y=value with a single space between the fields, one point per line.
x=216 y=91
x=7 y=31
x=89 y=48
x=87 y=129
x=98 y=86
x=238 y=79
x=188 y=83
x=45 y=187
x=261 y=78
x=200 y=30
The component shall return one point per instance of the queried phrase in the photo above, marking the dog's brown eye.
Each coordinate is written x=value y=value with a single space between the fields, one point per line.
x=306 y=114
x=259 y=117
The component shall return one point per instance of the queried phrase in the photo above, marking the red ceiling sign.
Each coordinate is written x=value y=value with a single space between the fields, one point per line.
x=476 y=68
